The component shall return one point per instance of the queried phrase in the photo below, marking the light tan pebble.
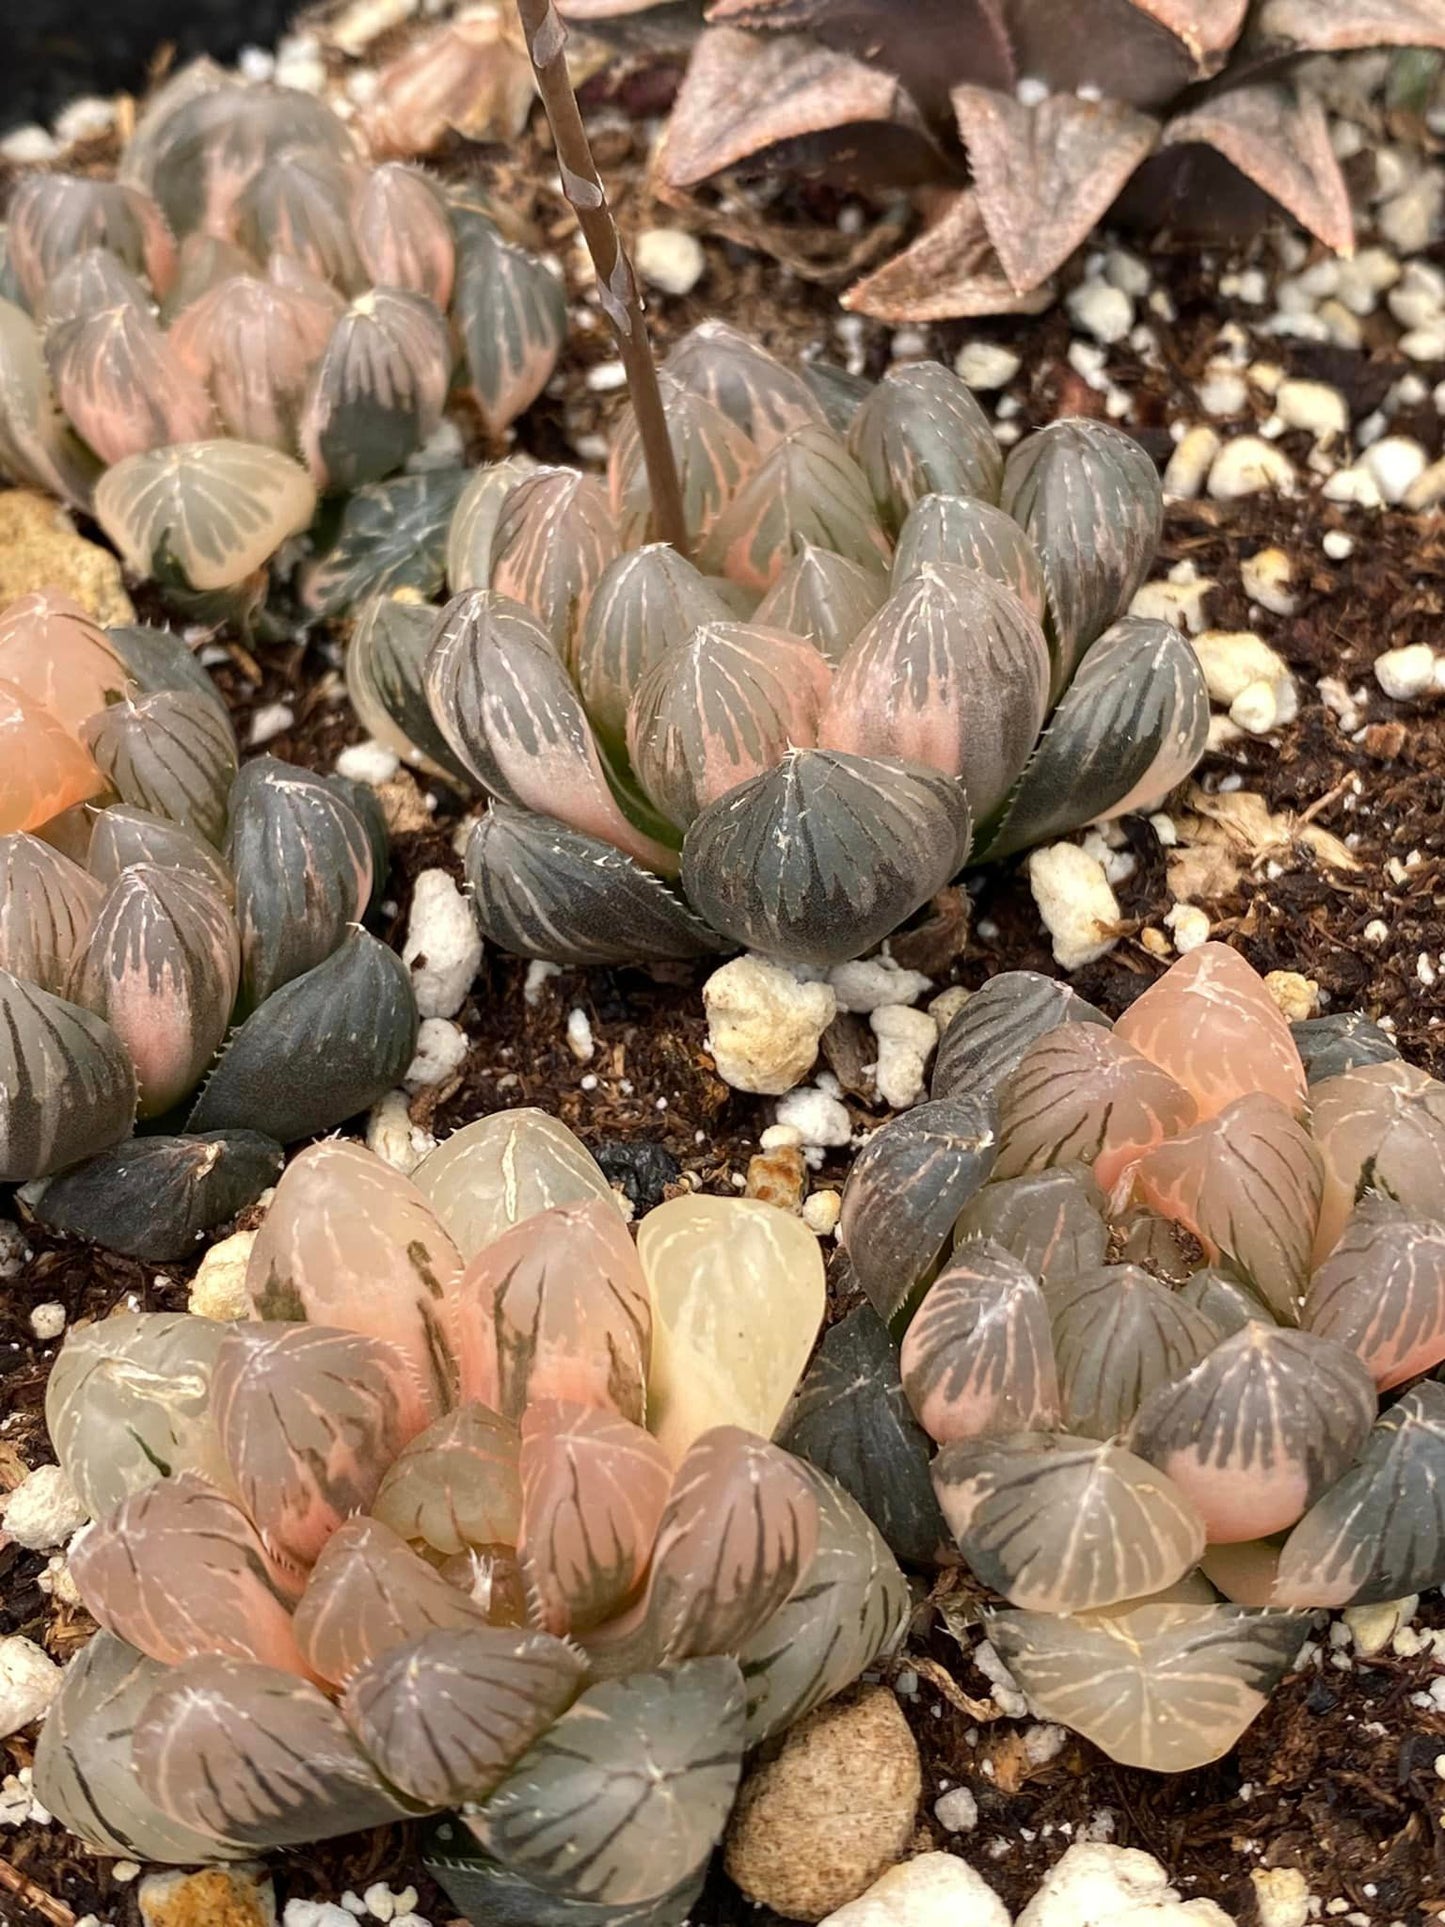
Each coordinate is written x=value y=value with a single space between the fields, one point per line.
x=47 y=1321
x=777 y=1178
x=218 y=1289
x=1266 y=577
x=1406 y=674
x=404 y=804
x=1355 y=485
x=1223 y=730
x=29 y=1681
x=763 y=1025
x=947 y=1004
x=986 y=365
x=441 y=1050
x=1338 y=546
x=669 y=259
x=1296 y=996
x=1427 y=489
x=1189 y=926
x=821 y=1211
x=1099 y=1885
x=1155 y=942
x=40 y=549
x=1396 y=463
x=780 y=1137
x=1410 y=220
x=1249 y=466
x=1258 y=708
x=443 y=947
x=1188 y=467
x=1076 y=902
x=1222 y=393
x=1281 y=1895
x=1342 y=328
x=1100 y=310
x=1232 y=659
x=370 y=762
x=906 y=1041
x=932 y=1890
x=43 y=1511
x=1179 y=603
x=1425 y=344
x=871 y=982
x=392 y=1136
x=1373 y=1627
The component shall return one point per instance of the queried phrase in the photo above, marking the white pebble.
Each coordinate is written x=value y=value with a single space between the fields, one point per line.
x=538 y=972
x=906 y=1041
x=441 y=1049
x=1188 y=467
x=1232 y=659
x=986 y=365
x=315 y=1913
x=84 y=119
x=1178 y=603
x=957 y=1810
x=1338 y=546
x=270 y=721
x=1313 y=406
x=29 y=1681
x=1355 y=485
x=579 y=1035
x=1079 y=909
x=1127 y=272
x=874 y=981
x=1281 y=1895
x=1223 y=393
x=1096 y=1883
x=763 y=1025
x=1406 y=674
x=1249 y=466
x=1410 y=220
x=606 y=377
x=1395 y=462
x=218 y=1289
x=1425 y=344
x=821 y=1211
x=47 y=1321
x=43 y=1510
x=1188 y=925
x=1100 y=310
x=669 y=258
x=931 y=1890
x=815 y=1119
x=1266 y=577
x=370 y=762
x=443 y=947
x=28 y=145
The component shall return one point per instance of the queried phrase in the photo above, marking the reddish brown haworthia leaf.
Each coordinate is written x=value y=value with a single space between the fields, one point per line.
x=1062 y=1525
x=1210 y=1022
x=977 y=1357
x=378 y=391
x=446 y=1715
x=1120 y=1334
x=171 y=752
x=555 y=1308
x=369 y=1592
x=1052 y=1222
x=759 y=395
x=255 y=348
x=720 y=707
x=593 y=1490
x=746 y=94
x=47 y=906
x=999 y=1026
x=647 y=602
x=122 y=384
x=456 y=1486
x=711 y=452
x=1381 y=1291
x=1141 y=51
x=1259 y=1428
x=1248 y=1183
x=245 y=1753
x=807 y=488
x=1350 y=26
x=474 y=521
x=52 y=651
x=54 y=217
x=919 y=431
x=403 y=234
x=1045 y=175
x=554 y=539
x=470 y=75
x=960 y=532
x=309 y=1419
x=179 y=1570
x=1082 y=1096
x=1382 y=1126
x=214 y=511
x=823 y=596
x=1278 y=136
x=952 y=269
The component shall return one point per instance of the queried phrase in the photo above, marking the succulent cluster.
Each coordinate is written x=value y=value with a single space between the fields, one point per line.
x=1152 y=1280
x=892 y=651
x=402 y=1541
x=151 y=896
x=1192 y=115
x=250 y=315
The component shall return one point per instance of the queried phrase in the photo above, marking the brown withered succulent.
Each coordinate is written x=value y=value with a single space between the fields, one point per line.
x=1029 y=122
x=1157 y=1285
x=478 y=1511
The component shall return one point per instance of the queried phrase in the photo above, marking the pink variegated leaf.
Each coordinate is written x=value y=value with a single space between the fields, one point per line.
x=510 y=312
x=921 y=432
x=47 y=907
x=712 y=454
x=554 y=539
x=470 y=74
x=760 y=395
x=457 y=1486
x=254 y=347
x=977 y=1357
x=54 y=217
x=378 y=390
x=1382 y=1126
x=1119 y=1334
x=52 y=650
x=369 y=1592
x=1278 y=136
x=823 y=596
x=123 y=385
x=171 y=752
x=299 y=205
x=1381 y=1291
x=962 y=532
x=403 y=234
x=807 y=488
x=647 y=602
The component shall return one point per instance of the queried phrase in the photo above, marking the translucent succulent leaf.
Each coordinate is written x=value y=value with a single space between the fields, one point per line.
x=1330 y=1046
x=510 y=310
x=36 y=444
x=474 y=521
x=321 y=1048
x=999 y=1025
x=1210 y=1022
x=83 y=1760
x=959 y=531
x=952 y=269
x=179 y=1570
x=53 y=652
x=906 y=1187
x=159 y=659
x=88 y=287
x=392 y=535
x=156 y=1197
x=385 y=660
x=1168 y=1688
x=594 y=1486
x=1118 y=1336
x=824 y=855
x=128 y=1402
x=54 y=217
x=1051 y=1221
x=977 y=1356
x=215 y=511
x=480 y=1885
x=1379 y=1532
x=850 y=1607
x=503 y=698
x=825 y=597
x=1130 y=728
x=203 y=262
x=1259 y=1428
x=254 y=347
x=47 y=907
x=170 y=752
x=302 y=863
x=554 y=539
x=1247 y=1183
x=627 y=1794
x=299 y=204
x=378 y=391
x=554 y=1308
x=245 y=1753
x=44 y=770
x=737 y=1298
x=499 y=1170
x=369 y=1592
x=758 y=393
x=123 y=835
x=1381 y=1126
x=806 y=488
x=161 y=966
x=1082 y=1096
x=309 y=1418
x=1087 y=497
x=447 y=1714
x=921 y=432
x=712 y=455
x=122 y=385
x=953 y=672
x=403 y=233
x=469 y=74
x=67 y=1088
x=1046 y=174
x=457 y=1485
x=1064 y=1525
x=647 y=602
x=540 y=889
x=1277 y=134
x=851 y=1420
x=719 y=708
x=1381 y=1292
x=1228 y=1305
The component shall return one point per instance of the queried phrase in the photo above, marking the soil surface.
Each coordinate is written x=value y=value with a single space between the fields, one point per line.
x=1338 y=1776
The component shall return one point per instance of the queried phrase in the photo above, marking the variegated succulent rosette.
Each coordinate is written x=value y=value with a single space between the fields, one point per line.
x=167 y=919
x=891 y=653
x=479 y=1512
x=1169 y=1292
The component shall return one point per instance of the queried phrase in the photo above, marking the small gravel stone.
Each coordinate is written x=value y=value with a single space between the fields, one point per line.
x=441 y=1049
x=956 y=1810
x=1425 y=344
x=1078 y=907
x=1427 y=490
x=391 y=1134
x=986 y=365
x=1338 y=546
x=1223 y=393
x=1099 y=1885
x=579 y=1035
x=1406 y=674
x=1100 y=310
x=443 y=948
x=821 y=1211
x=763 y=1025
x=218 y=1289
x=868 y=984
x=1188 y=467
x=268 y=722
x=43 y=1510
x=1296 y=996
x=315 y=1913
x=29 y=1681
x=1188 y=925
x=1410 y=220
x=777 y=1178
x=13 y=1249
x=1313 y=406
x=819 y=1119
x=29 y=146
x=606 y=377
x=1179 y=603
x=1396 y=462
x=1232 y=659
x=1372 y=1628
x=220 y=1896
x=669 y=258
x=370 y=762
x=1281 y=1895
x=906 y=1041
x=932 y=1890
x=1266 y=577
x=1355 y=485
x=1249 y=466
x=47 y=1321
x=84 y=119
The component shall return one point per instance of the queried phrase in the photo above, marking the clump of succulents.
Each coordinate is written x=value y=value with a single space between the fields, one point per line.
x=479 y=1512
x=1193 y=116
x=151 y=897
x=250 y=316
x=891 y=651
x=1165 y=1291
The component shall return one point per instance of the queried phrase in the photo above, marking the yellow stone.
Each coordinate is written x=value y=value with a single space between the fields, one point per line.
x=40 y=549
